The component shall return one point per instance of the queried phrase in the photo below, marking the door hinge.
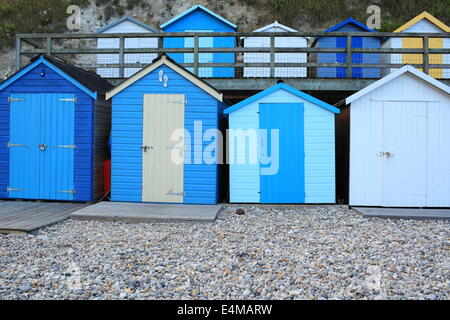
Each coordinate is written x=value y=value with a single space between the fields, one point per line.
x=67 y=191
x=16 y=145
x=66 y=146
x=69 y=100
x=14 y=99
x=9 y=189
x=178 y=101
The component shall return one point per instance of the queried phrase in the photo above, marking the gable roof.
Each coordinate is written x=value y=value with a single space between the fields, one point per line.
x=287 y=88
x=350 y=21
x=420 y=17
x=215 y=15
x=276 y=24
x=165 y=60
x=406 y=69
x=127 y=18
x=86 y=81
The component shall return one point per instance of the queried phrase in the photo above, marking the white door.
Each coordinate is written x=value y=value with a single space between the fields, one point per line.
x=163 y=148
x=405 y=154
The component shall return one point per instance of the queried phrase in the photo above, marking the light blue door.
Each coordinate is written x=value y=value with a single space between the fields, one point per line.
x=204 y=42
x=42 y=146
x=287 y=184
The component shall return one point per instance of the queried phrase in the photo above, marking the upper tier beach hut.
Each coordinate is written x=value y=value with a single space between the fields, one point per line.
x=200 y=19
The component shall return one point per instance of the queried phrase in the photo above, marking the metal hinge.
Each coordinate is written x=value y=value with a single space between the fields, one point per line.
x=13 y=189
x=16 y=145
x=64 y=146
x=69 y=100
x=178 y=101
x=67 y=191
x=13 y=99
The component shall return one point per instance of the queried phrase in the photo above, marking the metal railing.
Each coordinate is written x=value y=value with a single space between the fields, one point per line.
x=72 y=47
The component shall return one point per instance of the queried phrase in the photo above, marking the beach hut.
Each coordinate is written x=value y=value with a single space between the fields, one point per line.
x=399 y=142
x=423 y=23
x=280 y=42
x=200 y=19
x=54 y=132
x=125 y=25
x=281 y=148
x=165 y=146
x=350 y=25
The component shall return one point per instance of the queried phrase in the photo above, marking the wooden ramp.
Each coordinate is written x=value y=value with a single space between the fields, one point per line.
x=26 y=216
x=148 y=213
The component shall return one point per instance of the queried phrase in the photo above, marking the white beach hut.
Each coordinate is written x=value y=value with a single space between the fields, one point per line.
x=280 y=42
x=125 y=25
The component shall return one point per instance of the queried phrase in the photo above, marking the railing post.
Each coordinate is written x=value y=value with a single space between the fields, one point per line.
x=49 y=46
x=121 y=57
x=18 y=53
x=272 y=56
x=160 y=45
x=426 y=56
x=349 y=57
x=196 y=55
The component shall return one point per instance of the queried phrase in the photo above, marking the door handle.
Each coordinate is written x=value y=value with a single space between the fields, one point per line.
x=146 y=148
x=42 y=147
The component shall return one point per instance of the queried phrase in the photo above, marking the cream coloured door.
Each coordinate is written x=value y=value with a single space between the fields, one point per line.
x=163 y=148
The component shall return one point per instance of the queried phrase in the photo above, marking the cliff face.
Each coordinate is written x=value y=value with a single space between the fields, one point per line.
x=312 y=15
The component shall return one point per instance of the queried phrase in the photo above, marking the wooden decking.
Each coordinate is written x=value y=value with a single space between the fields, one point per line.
x=148 y=213
x=26 y=216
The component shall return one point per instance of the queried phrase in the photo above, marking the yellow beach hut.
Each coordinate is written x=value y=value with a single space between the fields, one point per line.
x=423 y=23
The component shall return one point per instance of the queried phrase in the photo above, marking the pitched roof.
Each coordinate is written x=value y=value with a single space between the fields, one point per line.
x=193 y=9
x=276 y=24
x=420 y=17
x=87 y=81
x=126 y=18
x=165 y=60
x=287 y=88
x=350 y=21
x=406 y=69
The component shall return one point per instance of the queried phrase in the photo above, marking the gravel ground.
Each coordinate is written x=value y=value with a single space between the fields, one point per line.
x=308 y=253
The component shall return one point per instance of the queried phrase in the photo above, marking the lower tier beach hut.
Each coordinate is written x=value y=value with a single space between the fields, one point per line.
x=165 y=142
x=54 y=132
x=399 y=137
x=281 y=148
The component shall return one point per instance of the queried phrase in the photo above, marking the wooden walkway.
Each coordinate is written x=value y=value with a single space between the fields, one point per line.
x=148 y=212
x=26 y=216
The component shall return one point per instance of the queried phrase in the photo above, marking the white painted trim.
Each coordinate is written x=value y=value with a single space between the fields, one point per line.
x=163 y=60
x=394 y=75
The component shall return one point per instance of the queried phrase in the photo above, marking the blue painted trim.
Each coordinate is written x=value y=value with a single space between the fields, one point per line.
x=115 y=23
x=283 y=86
x=350 y=21
x=42 y=60
x=193 y=9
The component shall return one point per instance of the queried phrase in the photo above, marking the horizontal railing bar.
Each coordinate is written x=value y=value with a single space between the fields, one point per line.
x=267 y=65
x=234 y=50
x=231 y=34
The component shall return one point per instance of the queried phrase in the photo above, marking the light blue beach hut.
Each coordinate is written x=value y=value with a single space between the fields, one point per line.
x=200 y=19
x=281 y=148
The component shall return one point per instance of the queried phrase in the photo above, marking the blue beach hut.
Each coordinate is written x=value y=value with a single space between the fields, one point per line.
x=54 y=132
x=165 y=142
x=281 y=148
x=200 y=19
x=350 y=25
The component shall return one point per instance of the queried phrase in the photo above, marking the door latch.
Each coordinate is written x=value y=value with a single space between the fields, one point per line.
x=146 y=148
x=42 y=147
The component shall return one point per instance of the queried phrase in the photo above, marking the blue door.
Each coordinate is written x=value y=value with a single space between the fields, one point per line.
x=341 y=42
x=287 y=184
x=42 y=146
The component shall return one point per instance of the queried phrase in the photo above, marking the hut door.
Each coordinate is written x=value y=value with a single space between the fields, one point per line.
x=204 y=42
x=42 y=146
x=163 y=148
x=405 y=154
x=283 y=178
